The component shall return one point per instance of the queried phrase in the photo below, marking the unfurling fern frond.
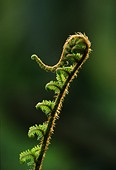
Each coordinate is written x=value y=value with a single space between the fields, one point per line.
x=65 y=71
x=60 y=78
x=26 y=156
x=30 y=156
x=36 y=151
x=38 y=130
x=46 y=106
x=75 y=52
x=53 y=85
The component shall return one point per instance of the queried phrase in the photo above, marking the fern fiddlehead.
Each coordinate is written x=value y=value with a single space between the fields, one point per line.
x=75 y=52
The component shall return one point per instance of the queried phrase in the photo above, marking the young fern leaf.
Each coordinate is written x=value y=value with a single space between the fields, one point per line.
x=38 y=130
x=61 y=78
x=75 y=52
x=53 y=85
x=35 y=151
x=64 y=71
x=30 y=156
x=26 y=156
x=46 y=106
x=68 y=70
x=35 y=130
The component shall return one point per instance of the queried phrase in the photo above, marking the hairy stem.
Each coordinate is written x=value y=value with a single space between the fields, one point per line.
x=75 y=52
x=56 y=111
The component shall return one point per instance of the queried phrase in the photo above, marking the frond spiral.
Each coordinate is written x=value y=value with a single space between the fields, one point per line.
x=75 y=52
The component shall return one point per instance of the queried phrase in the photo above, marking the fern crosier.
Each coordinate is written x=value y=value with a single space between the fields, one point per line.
x=75 y=52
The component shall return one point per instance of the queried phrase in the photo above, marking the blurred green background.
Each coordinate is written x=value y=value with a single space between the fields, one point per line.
x=84 y=137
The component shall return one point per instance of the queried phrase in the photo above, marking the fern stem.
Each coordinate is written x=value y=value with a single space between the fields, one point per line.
x=56 y=111
x=75 y=52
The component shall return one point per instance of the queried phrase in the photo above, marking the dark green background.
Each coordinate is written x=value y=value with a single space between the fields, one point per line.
x=84 y=136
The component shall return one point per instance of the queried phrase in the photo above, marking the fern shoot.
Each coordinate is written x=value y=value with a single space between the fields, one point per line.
x=75 y=52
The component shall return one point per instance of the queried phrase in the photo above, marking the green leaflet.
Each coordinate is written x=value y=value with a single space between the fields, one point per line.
x=74 y=57
x=64 y=71
x=53 y=85
x=78 y=56
x=60 y=78
x=38 y=130
x=46 y=106
x=78 y=48
x=30 y=155
x=35 y=151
